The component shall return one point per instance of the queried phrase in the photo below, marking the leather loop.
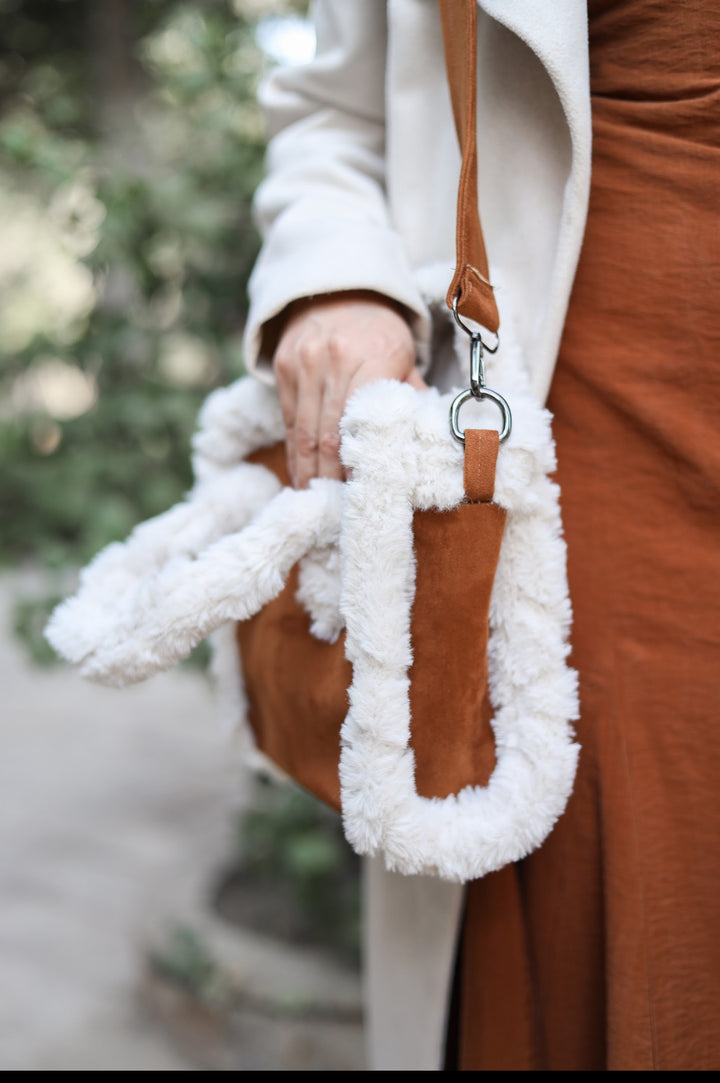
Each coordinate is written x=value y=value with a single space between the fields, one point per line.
x=470 y=283
x=481 y=452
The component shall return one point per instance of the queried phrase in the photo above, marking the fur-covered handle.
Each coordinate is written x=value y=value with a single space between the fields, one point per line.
x=400 y=461
x=221 y=556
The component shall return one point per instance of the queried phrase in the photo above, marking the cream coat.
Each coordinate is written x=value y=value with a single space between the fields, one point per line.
x=360 y=193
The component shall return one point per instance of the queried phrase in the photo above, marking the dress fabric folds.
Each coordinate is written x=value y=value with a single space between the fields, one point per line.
x=601 y=951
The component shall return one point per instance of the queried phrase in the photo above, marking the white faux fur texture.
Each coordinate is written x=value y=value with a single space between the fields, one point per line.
x=221 y=556
x=401 y=459
x=226 y=551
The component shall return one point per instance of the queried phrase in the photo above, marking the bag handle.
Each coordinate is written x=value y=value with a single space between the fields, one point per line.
x=470 y=294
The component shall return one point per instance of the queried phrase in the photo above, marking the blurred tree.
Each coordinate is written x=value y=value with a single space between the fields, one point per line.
x=130 y=146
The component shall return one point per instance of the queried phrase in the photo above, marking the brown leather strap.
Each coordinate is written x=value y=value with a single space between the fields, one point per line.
x=481 y=452
x=470 y=283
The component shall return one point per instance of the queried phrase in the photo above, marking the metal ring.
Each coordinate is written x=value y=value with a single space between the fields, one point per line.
x=487 y=393
x=468 y=330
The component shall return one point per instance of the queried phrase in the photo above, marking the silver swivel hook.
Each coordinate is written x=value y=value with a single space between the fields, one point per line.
x=478 y=388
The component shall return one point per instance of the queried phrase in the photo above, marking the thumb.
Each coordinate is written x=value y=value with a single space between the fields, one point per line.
x=415 y=379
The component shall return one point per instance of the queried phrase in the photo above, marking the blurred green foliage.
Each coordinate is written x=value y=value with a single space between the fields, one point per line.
x=30 y=615
x=185 y=959
x=292 y=858
x=125 y=195
x=130 y=147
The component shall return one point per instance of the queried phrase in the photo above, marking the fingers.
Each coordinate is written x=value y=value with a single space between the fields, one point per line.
x=333 y=405
x=312 y=383
x=327 y=349
x=306 y=426
x=415 y=380
x=312 y=399
x=299 y=375
x=369 y=373
x=285 y=377
x=322 y=394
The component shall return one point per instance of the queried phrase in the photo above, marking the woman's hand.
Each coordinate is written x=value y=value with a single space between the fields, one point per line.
x=330 y=346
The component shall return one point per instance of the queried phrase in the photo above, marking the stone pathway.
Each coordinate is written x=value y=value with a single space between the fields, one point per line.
x=116 y=813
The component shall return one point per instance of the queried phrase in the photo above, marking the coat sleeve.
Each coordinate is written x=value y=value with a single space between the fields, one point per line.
x=321 y=208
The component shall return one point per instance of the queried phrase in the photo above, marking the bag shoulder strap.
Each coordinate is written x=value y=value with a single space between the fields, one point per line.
x=470 y=290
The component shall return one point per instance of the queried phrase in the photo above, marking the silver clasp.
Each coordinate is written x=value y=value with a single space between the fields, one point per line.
x=478 y=388
x=477 y=366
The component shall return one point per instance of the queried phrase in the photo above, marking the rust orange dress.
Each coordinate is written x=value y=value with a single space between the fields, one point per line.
x=601 y=951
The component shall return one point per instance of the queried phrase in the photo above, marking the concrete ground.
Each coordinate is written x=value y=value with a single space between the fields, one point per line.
x=116 y=813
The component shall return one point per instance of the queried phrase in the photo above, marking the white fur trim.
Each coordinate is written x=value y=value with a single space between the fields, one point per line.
x=402 y=459
x=226 y=551
x=319 y=592
x=143 y=605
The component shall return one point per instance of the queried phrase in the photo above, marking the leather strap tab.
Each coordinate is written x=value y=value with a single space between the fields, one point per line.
x=470 y=283
x=481 y=452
